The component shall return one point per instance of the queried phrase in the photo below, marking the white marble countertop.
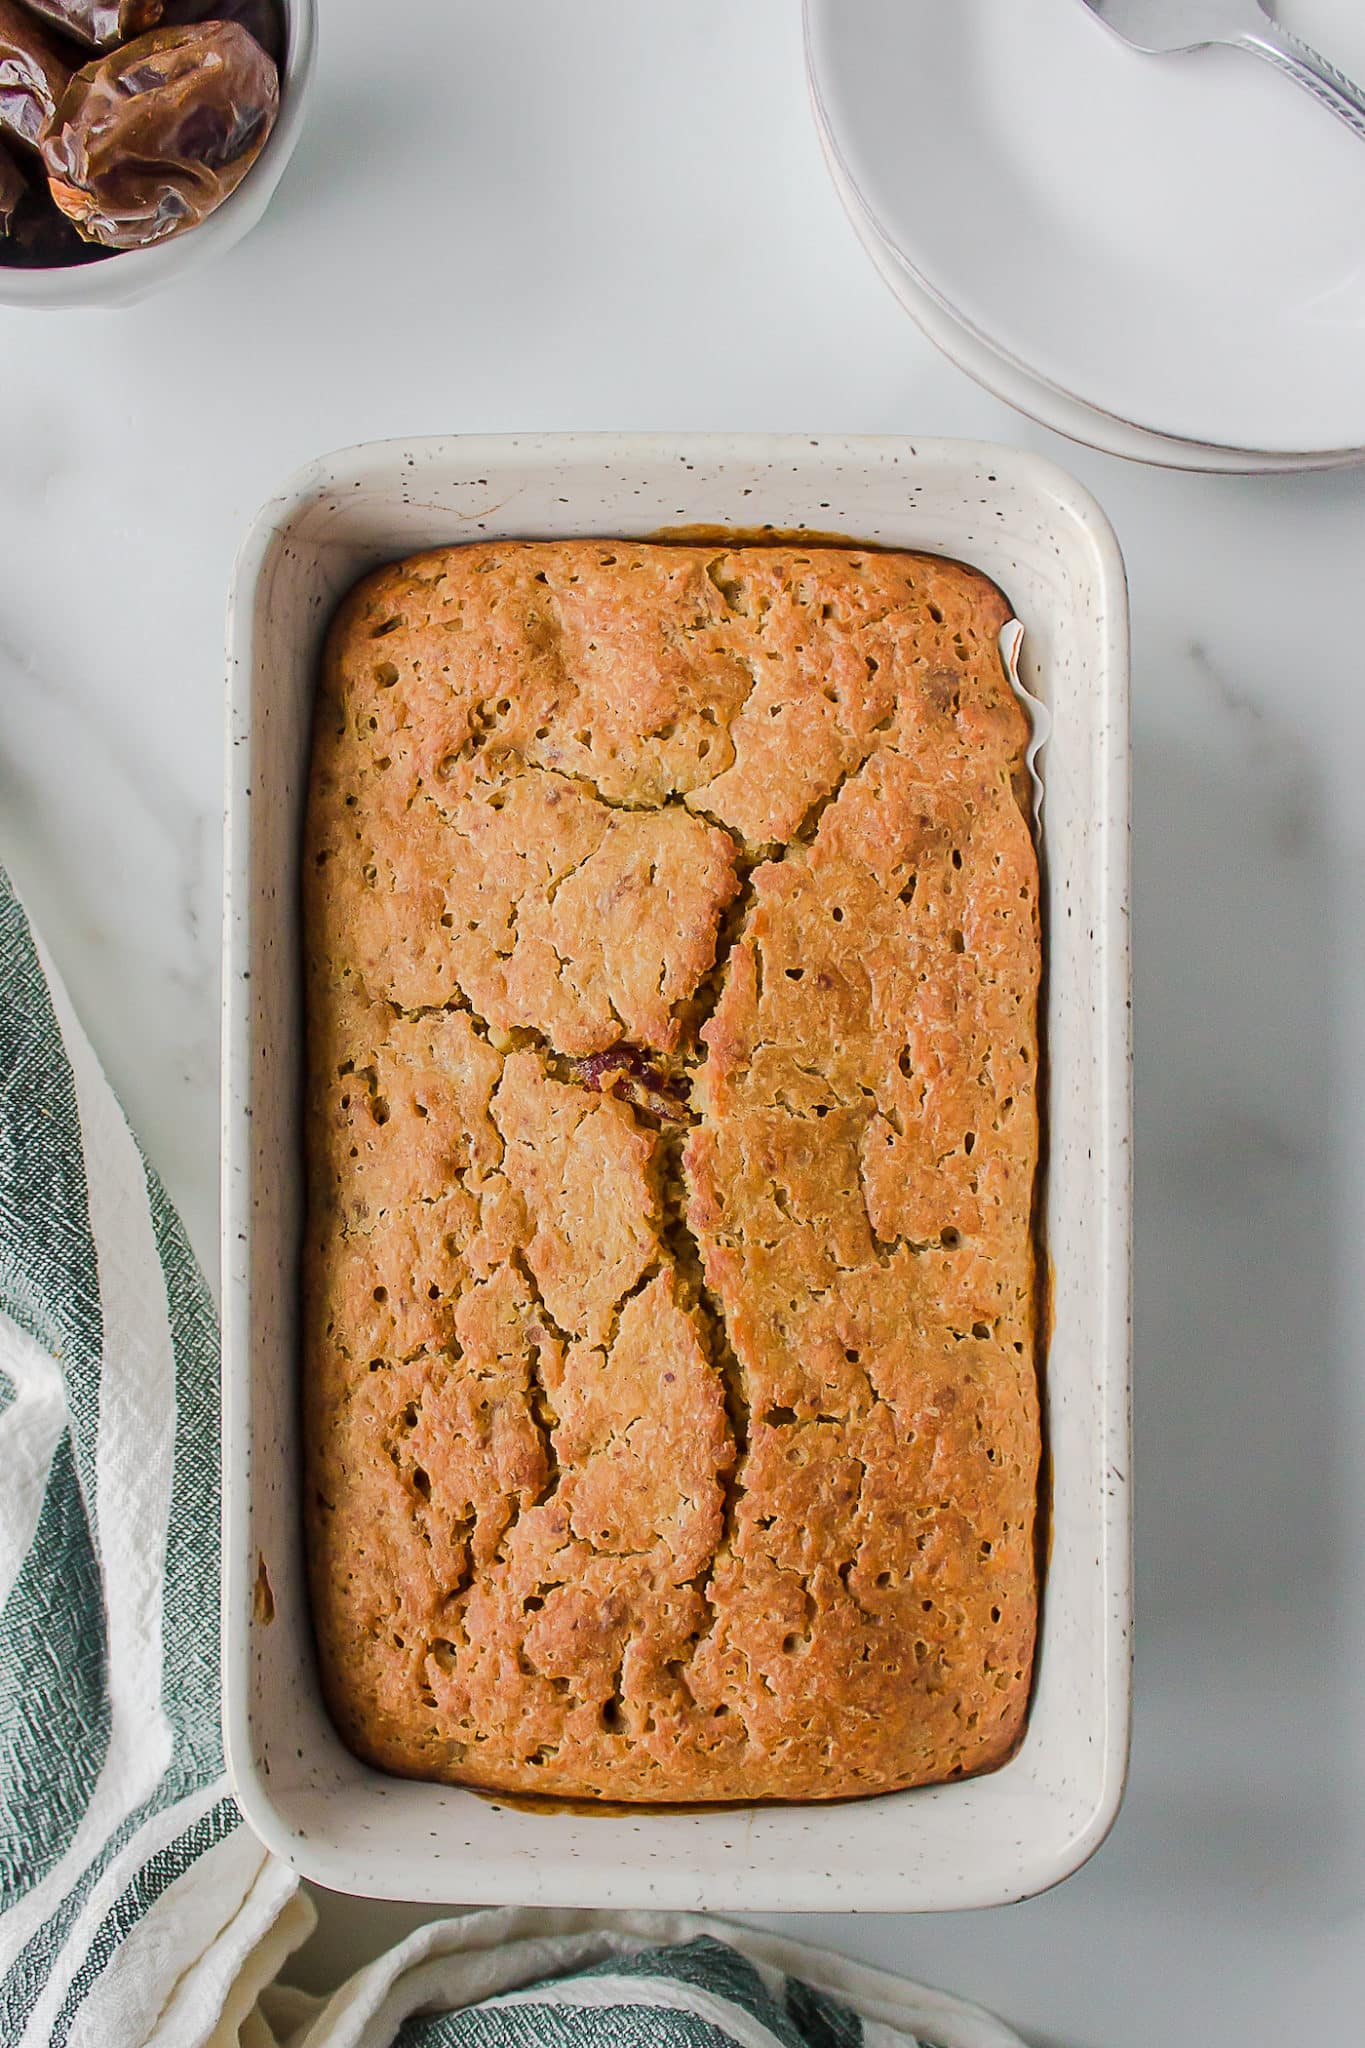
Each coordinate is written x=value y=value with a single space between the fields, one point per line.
x=629 y=226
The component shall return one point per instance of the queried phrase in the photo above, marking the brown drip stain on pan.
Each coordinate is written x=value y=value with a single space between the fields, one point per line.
x=759 y=536
x=262 y=1594
x=1042 y=1348
x=616 y=1809
x=784 y=537
x=643 y=1809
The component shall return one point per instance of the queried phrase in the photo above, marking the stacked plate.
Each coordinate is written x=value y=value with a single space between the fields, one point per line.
x=1161 y=256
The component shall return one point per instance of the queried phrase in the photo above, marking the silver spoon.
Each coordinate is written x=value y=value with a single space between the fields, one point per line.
x=1163 y=25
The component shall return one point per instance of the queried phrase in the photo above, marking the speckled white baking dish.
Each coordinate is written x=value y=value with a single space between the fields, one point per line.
x=977 y=1843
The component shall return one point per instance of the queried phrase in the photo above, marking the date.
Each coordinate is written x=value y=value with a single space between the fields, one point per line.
x=33 y=77
x=630 y=1075
x=13 y=187
x=99 y=24
x=33 y=235
x=149 y=140
x=260 y=18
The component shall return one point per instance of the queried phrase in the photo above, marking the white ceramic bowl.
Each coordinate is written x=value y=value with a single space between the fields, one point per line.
x=975 y=1843
x=131 y=275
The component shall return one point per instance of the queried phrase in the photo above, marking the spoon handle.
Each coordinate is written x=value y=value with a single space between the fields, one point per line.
x=1309 y=69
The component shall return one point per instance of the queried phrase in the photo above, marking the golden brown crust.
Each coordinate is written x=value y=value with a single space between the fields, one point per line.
x=672 y=1420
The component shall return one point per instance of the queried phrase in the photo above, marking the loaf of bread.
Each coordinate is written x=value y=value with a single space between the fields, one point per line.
x=672 y=967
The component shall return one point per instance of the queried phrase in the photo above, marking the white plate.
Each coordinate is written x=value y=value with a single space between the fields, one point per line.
x=1174 y=242
x=979 y=1842
x=1055 y=409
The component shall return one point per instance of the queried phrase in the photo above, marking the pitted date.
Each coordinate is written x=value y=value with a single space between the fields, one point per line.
x=260 y=18
x=13 y=188
x=43 y=239
x=33 y=76
x=149 y=140
x=99 y=24
x=627 y=1073
x=33 y=235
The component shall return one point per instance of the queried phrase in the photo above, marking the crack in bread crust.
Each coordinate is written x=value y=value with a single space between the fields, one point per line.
x=671 y=1409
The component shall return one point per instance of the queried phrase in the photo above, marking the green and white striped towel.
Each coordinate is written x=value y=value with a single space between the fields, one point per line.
x=135 y=1906
x=123 y=1859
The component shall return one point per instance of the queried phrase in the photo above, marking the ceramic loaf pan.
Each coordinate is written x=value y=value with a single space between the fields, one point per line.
x=979 y=1842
